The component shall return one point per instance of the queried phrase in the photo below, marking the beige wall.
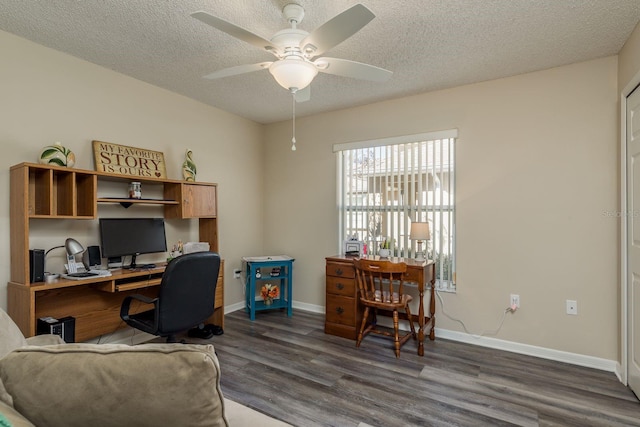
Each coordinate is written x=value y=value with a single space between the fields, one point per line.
x=48 y=96
x=629 y=59
x=537 y=175
x=536 y=180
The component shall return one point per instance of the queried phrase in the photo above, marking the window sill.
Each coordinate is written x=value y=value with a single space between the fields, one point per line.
x=446 y=287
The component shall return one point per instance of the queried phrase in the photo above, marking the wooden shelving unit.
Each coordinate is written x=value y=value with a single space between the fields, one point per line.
x=52 y=192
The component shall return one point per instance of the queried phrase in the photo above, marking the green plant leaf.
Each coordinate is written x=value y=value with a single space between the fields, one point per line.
x=48 y=152
x=191 y=166
x=57 y=161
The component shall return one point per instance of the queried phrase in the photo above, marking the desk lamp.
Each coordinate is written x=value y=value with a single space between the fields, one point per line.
x=420 y=232
x=73 y=247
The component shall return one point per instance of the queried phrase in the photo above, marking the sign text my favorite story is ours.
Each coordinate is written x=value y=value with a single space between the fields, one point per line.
x=130 y=161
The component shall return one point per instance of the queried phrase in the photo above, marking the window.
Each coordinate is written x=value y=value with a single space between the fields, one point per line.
x=384 y=185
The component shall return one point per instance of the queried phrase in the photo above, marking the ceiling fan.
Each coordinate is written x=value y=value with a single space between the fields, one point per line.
x=298 y=51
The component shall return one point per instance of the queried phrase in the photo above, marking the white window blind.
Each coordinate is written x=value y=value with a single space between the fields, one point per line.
x=384 y=185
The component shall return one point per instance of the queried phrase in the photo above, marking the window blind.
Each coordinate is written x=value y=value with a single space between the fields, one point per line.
x=386 y=184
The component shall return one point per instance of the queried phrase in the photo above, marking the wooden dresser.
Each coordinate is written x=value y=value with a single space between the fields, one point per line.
x=343 y=313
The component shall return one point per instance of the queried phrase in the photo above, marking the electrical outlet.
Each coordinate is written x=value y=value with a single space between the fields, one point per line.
x=236 y=273
x=572 y=307
x=514 y=301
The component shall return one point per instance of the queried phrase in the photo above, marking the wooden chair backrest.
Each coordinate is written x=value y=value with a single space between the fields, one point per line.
x=378 y=280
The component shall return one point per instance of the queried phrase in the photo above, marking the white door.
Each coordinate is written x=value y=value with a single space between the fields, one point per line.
x=633 y=240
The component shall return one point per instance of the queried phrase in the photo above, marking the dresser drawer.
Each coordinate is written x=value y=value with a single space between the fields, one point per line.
x=341 y=310
x=341 y=286
x=341 y=270
x=344 y=331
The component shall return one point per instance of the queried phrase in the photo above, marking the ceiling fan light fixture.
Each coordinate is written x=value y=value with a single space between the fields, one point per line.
x=292 y=73
x=309 y=49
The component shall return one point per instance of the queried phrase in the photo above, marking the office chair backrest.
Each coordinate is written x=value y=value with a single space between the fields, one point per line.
x=187 y=291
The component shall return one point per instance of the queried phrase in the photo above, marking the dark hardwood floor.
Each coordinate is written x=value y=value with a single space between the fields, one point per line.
x=290 y=369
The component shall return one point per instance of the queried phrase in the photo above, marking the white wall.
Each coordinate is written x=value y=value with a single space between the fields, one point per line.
x=47 y=96
x=536 y=177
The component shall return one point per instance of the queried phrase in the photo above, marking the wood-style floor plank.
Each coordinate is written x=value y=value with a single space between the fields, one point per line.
x=290 y=369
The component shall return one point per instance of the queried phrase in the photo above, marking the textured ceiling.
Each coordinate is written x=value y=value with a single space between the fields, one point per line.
x=428 y=44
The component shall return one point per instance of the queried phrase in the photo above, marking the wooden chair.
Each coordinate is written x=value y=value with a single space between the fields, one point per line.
x=380 y=286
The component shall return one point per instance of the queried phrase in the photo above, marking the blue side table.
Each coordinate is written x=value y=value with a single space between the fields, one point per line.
x=258 y=271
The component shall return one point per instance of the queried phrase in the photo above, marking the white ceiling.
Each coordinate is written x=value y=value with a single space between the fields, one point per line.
x=428 y=44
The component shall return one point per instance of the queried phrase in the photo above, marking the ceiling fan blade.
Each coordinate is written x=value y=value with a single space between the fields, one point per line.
x=234 y=30
x=336 y=30
x=240 y=69
x=303 y=95
x=353 y=69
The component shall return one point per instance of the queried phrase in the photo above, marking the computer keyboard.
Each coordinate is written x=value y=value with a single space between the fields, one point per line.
x=97 y=272
x=86 y=274
x=82 y=274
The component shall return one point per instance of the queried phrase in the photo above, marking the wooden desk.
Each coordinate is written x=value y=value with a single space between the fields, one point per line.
x=94 y=302
x=344 y=312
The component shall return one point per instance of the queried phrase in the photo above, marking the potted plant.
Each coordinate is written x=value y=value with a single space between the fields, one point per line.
x=385 y=248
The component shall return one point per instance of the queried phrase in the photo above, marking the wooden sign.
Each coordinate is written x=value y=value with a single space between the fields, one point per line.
x=130 y=161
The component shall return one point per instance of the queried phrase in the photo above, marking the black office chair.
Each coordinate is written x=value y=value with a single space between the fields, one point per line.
x=185 y=300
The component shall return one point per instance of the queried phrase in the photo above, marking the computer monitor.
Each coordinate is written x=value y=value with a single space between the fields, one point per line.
x=121 y=237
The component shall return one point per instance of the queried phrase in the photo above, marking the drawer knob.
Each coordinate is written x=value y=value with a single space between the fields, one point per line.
x=339 y=272
x=340 y=286
x=339 y=310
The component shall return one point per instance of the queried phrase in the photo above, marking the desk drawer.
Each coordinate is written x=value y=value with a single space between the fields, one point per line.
x=337 y=269
x=412 y=275
x=341 y=286
x=341 y=310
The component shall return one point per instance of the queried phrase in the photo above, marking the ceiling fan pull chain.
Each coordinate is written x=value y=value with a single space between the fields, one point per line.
x=293 y=140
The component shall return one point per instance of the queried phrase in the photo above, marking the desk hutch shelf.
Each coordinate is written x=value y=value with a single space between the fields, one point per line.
x=53 y=193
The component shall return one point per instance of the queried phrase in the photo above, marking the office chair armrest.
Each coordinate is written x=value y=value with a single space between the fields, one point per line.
x=126 y=303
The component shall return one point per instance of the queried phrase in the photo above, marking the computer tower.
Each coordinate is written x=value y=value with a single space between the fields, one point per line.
x=65 y=327
x=36 y=265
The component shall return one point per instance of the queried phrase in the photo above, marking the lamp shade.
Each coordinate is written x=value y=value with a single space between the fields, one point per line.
x=292 y=73
x=420 y=231
x=73 y=247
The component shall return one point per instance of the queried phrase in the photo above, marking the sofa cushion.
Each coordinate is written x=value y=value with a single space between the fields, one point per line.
x=46 y=339
x=13 y=417
x=240 y=415
x=10 y=335
x=145 y=385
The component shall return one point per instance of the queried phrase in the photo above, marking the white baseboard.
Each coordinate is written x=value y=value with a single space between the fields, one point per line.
x=620 y=373
x=531 y=350
x=233 y=307
x=309 y=307
x=313 y=308
x=129 y=336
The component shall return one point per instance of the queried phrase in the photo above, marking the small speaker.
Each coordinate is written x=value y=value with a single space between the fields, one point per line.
x=91 y=257
x=36 y=265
